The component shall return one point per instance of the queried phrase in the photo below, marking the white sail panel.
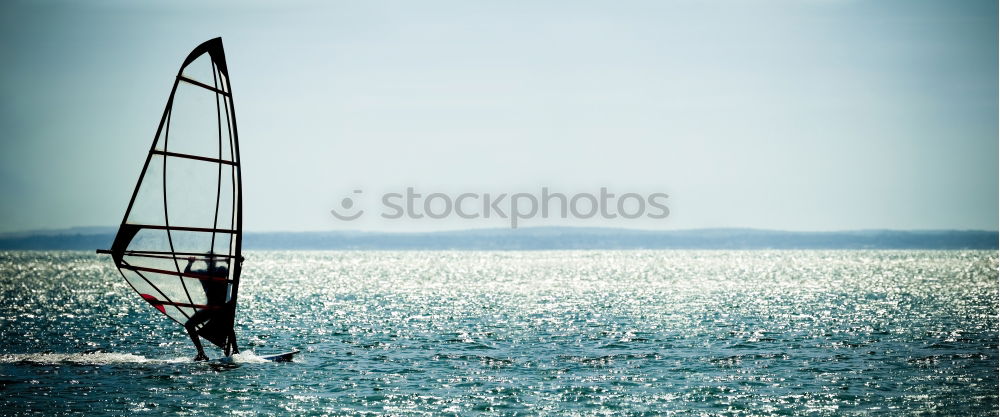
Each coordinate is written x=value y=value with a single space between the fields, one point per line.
x=197 y=122
x=179 y=245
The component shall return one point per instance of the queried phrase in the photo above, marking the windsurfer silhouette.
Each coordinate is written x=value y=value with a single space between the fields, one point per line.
x=216 y=292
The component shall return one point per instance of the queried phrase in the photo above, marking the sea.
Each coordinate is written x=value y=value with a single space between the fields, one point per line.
x=577 y=333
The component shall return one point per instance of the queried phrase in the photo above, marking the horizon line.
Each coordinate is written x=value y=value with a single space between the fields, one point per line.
x=112 y=229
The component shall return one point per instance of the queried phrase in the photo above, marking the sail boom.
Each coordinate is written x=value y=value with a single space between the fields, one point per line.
x=167 y=254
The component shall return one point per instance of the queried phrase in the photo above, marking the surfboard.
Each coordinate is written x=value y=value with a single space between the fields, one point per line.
x=281 y=357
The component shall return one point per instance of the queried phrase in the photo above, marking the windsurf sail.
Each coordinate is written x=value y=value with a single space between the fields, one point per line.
x=179 y=243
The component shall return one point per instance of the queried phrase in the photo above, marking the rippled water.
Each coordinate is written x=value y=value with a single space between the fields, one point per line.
x=576 y=332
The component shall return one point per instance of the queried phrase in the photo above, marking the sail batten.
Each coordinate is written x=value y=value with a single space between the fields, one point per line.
x=202 y=85
x=179 y=245
x=176 y=273
x=195 y=157
x=184 y=228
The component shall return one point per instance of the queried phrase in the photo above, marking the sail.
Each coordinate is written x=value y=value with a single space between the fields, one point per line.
x=179 y=244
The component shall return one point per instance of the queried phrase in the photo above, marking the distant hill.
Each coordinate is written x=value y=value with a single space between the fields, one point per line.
x=542 y=238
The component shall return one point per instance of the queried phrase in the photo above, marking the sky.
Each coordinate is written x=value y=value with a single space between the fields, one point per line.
x=794 y=115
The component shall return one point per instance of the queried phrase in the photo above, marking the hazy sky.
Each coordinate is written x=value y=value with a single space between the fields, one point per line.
x=799 y=115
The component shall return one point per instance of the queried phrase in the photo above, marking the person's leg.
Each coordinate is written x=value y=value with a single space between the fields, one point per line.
x=232 y=339
x=197 y=344
x=191 y=327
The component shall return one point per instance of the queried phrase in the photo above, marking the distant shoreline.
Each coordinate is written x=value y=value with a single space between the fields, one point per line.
x=546 y=238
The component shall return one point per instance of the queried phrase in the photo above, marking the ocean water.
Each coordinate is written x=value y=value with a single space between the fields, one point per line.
x=520 y=333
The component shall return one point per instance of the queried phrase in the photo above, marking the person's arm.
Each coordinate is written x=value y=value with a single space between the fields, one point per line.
x=187 y=269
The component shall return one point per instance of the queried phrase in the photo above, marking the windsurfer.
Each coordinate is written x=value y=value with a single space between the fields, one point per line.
x=216 y=292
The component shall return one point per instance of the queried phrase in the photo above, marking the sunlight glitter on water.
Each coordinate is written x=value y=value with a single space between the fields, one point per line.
x=574 y=332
